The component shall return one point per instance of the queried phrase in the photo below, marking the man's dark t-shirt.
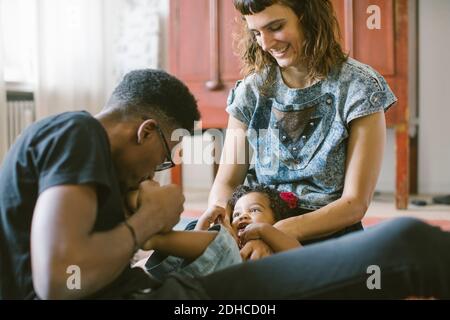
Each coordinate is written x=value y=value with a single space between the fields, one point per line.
x=70 y=148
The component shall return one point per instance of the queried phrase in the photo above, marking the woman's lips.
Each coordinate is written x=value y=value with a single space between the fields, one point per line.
x=279 y=54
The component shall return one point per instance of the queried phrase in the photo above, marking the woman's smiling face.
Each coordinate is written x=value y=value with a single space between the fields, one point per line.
x=278 y=32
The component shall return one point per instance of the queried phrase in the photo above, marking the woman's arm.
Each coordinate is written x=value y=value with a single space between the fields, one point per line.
x=274 y=238
x=185 y=244
x=364 y=158
x=233 y=167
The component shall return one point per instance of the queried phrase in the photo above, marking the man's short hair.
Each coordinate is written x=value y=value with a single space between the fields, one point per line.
x=148 y=93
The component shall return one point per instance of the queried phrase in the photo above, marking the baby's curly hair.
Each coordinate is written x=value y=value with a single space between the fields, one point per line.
x=279 y=207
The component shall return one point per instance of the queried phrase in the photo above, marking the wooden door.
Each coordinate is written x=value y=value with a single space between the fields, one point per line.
x=385 y=48
x=201 y=53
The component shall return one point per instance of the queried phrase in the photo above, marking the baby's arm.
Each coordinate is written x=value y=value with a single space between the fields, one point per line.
x=185 y=244
x=277 y=240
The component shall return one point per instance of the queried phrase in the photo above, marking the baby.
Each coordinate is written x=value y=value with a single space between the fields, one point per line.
x=254 y=210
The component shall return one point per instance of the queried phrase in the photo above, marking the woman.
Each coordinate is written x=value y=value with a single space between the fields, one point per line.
x=313 y=117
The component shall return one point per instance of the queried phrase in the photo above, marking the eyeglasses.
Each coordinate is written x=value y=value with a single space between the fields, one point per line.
x=168 y=163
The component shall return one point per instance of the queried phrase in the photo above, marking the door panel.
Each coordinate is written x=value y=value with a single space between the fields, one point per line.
x=230 y=65
x=374 y=47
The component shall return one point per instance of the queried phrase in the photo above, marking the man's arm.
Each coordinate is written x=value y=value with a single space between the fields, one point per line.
x=62 y=236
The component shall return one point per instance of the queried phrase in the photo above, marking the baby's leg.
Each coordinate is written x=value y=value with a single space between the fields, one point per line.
x=221 y=252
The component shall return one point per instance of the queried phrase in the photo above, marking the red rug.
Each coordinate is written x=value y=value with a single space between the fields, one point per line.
x=443 y=224
x=367 y=222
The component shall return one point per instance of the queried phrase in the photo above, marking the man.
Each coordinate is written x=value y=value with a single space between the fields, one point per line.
x=63 y=181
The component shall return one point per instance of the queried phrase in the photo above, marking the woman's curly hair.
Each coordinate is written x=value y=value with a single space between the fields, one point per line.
x=279 y=207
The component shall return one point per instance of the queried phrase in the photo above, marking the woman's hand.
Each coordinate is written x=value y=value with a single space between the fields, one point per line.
x=214 y=214
x=255 y=249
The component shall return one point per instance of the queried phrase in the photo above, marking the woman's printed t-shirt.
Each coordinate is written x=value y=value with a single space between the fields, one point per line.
x=299 y=136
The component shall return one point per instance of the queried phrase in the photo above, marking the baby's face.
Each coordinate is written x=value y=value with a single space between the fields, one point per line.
x=251 y=208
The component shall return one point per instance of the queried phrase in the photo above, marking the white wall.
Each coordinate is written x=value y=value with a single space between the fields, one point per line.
x=196 y=176
x=386 y=181
x=3 y=114
x=434 y=96
x=135 y=37
x=434 y=103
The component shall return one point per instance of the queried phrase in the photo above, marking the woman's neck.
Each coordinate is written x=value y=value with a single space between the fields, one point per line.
x=297 y=77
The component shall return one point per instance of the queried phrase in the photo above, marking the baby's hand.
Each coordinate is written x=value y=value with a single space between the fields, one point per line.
x=255 y=249
x=253 y=231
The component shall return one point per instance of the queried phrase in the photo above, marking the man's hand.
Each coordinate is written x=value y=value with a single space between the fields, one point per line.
x=131 y=203
x=162 y=206
x=214 y=214
x=254 y=250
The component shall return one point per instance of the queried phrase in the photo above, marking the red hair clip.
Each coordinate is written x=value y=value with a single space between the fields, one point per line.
x=290 y=198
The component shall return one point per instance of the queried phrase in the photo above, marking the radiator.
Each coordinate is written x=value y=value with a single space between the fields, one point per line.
x=20 y=114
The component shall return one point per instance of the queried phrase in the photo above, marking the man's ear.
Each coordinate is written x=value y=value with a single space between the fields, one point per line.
x=145 y=129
